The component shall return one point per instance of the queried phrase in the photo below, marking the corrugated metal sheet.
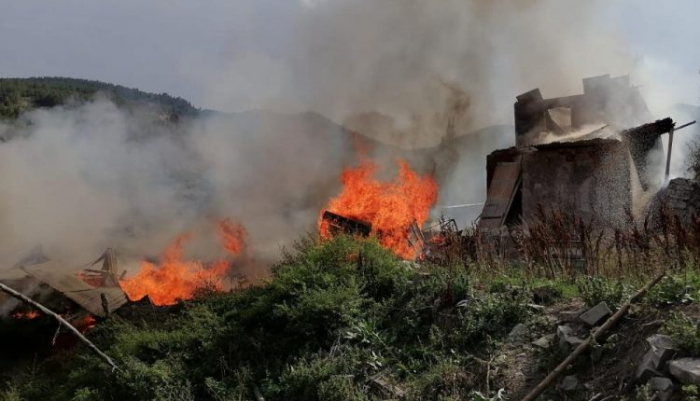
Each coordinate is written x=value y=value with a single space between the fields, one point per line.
x=500 y=195
x=85 y=295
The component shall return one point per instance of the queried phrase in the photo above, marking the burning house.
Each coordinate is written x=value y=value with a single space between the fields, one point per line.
x=578 y=154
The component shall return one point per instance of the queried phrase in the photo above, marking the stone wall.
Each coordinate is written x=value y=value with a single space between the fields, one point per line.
x=681 y=197
x=590 y=178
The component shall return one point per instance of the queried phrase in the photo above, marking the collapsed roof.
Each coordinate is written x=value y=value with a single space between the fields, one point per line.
x=96 y=291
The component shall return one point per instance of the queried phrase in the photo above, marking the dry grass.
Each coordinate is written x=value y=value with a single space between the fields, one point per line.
x=556 y=244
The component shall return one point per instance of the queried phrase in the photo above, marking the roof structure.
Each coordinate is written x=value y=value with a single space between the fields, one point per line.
x=100 y=299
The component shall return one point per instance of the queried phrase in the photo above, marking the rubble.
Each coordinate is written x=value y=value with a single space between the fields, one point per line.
x=567 y=340
x=662 y=388
x=519 y=335
x=596 y=315
x=544 y=342
x=570 y=316
x=343 y=225
x=569 y=383
x=662 y=346
x=96 y=291
x=686 y=370
x=649 y=367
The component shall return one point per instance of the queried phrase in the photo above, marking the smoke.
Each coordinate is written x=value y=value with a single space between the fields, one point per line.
x=409 y=73
x=82 y=178
x=381 y=66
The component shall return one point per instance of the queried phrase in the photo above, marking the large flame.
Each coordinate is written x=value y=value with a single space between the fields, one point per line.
x=177 y=278
x=390 y=207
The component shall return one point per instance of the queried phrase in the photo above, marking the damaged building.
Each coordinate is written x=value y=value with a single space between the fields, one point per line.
x=74 y=294
x=576 y=154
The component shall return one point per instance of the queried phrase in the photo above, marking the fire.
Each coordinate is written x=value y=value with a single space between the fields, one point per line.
x=232 y=235
x=389 y=207
x=86 y=323
x=25 y=316
x=176 y=278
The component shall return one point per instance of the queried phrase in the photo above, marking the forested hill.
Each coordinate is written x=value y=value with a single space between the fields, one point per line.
x=20 y=94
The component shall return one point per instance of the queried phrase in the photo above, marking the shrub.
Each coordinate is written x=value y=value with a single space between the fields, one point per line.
x=684 y=332
x=595 y=290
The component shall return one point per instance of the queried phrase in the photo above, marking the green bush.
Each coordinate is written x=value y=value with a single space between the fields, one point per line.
x=676 y=290
x=685 y=333
x=595 y=290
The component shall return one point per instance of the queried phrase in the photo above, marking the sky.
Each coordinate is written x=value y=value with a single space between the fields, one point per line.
x=232 y=55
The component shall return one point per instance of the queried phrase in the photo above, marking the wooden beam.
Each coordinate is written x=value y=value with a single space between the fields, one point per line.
x=668 y=156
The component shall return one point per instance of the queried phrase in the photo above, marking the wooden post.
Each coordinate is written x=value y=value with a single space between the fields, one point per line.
x=549 y=380
x=668 y=156
x=61 y=320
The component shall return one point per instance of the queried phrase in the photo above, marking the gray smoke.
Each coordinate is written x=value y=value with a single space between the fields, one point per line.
x=410 y=73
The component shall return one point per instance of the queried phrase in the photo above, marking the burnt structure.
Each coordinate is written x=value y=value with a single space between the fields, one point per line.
x=575 y=154
x=93 y=291
x=606 y=100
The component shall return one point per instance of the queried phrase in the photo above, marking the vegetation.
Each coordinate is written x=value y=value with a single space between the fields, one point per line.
x=20 y=94
x=340 y=320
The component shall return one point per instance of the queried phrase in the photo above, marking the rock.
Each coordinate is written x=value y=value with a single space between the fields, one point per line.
x=567 y=340
x=570 y=316
x=519 y=335
x=544 y=342
x=686 y=370
x=648 y=368
x=663 y=347
x=662 y=387
x=596 y=315
x=569 y=383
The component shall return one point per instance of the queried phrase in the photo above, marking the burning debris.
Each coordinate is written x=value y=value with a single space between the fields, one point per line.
x=176 y=278
x=73 y=294
x=394 y=211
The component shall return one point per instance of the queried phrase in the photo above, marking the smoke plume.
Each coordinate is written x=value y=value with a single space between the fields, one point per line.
x=409 y=73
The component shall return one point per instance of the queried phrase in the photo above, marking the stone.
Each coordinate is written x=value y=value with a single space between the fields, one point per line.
x=567 y=340
x=648 y=367
x=519 y=335
x=663 y=347
x=662 y=388
x=537 y=308
x=569 y=383
x=596 y=315
x=686 y=370
x=544 y=342
x=570 y=316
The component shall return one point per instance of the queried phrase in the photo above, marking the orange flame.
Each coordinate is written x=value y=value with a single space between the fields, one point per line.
x=177 y=278
x=390 y=207
x=232 y=235
x=25 y=316
x=86 y=323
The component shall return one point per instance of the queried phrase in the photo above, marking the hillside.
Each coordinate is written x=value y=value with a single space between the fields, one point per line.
x=21 y=94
